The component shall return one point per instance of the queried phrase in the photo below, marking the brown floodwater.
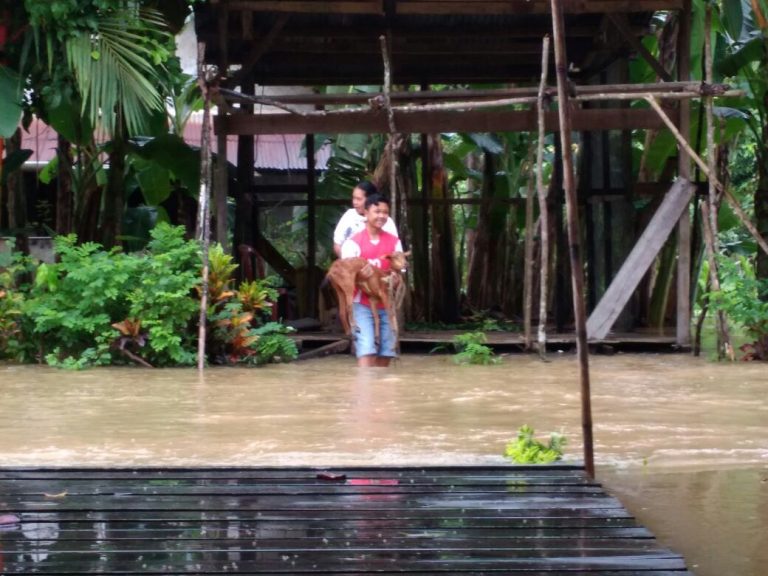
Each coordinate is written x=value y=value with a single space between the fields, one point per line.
x=681 y=441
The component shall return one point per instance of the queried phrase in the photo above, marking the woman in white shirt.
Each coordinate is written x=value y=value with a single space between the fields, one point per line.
x=353 y=220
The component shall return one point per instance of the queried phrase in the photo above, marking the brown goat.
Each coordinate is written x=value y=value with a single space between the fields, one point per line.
x=347 y=274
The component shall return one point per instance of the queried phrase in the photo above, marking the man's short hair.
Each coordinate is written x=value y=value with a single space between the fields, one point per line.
x=375 y=199
x=367 y=187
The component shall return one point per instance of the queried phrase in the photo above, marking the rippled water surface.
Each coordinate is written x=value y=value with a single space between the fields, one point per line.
x=683 y=442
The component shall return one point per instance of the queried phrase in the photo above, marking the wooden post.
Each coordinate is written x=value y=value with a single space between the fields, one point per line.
x=574 y=232
x=683 y=328
x=203 y=225
x=426 y=193
x=528 y=260
x=710 y=207
x=221 y=189
x=311 y=284
x=543 y=207
x=391 y=125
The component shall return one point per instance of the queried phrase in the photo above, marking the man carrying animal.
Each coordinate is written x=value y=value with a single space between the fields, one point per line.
x=374 y=245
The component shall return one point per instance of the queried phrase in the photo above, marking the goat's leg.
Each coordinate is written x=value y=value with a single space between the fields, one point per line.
x=350 y=298
x=344 y=312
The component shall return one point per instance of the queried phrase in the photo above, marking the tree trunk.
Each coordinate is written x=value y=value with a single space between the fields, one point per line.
x=114 y=201
x=445 y=275
x=485 y=267
x=64 y=188
x=761 y=197
x=17 y=205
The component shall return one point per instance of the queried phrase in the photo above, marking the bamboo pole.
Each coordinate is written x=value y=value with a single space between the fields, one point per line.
x=496 y=97
x=391 y=124
x=684 y=252
x=574 y=232
x=543 y=208
x=203 y=227
x=710 y=207
x=379 y=102
x=732 y=202
x=528 y=258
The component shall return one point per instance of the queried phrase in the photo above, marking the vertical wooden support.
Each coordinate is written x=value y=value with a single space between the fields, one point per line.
x=426 y=191
x=683 y=329
x=543 y=204
x=561 y=262
x=245 y=226
x=574 y=233
x=203 y=214
x=311 y=284
x=220 y=190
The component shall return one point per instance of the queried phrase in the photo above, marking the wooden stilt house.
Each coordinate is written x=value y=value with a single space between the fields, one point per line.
x=469 y=66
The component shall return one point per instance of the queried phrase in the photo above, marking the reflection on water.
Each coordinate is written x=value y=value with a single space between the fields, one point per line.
x=682 y=441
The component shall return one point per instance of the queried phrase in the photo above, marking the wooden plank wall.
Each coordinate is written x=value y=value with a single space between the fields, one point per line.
x=469 y=520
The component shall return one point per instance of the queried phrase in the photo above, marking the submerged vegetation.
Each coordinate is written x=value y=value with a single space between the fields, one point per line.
x=99 y=307
x=527 y=450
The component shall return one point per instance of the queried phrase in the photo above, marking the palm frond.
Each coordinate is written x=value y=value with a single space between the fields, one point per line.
x=115 y=69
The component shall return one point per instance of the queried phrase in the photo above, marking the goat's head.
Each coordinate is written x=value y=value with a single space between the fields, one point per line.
x=398 y=260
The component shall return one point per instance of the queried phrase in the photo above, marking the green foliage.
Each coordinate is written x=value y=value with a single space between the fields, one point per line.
x=273 y=344
x=744 y=298
x=75 y=302
x=163 y=299
x=471 y=349
x=258 y=296
x=527 y=450
x=13 y=345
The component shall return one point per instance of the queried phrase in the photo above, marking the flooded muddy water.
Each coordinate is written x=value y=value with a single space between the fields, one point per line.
x=681 y=441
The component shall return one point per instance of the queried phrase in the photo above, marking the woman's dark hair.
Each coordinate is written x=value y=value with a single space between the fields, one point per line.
x=367 y=187
x=375 y=199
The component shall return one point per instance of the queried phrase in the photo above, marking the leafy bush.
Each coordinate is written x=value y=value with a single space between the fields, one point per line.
x=527 y=450
x=273 y=345
x=164 y=299
x=98 y=307
x=744 y=298
x=471 y=349
x=13 y=345
x=76 y=301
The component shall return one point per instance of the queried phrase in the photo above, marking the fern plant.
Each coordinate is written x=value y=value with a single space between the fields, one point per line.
x=471 y=349
x=527 y=450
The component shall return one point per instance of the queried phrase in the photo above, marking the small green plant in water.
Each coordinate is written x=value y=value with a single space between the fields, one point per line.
x=471 y=349
x=527 y=450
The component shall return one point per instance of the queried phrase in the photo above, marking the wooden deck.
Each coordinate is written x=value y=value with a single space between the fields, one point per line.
x=461 y=520
x=421 y=341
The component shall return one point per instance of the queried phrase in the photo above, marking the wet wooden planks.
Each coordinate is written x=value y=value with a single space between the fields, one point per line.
x=458 y=520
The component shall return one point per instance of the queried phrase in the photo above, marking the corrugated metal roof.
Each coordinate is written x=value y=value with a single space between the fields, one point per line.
x=272 y=151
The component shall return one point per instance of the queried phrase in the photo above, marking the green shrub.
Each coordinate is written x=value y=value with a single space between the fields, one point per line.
x=744 y=298
x=471 y=349
x=527 y=450
x=272 y=344
x=164 y=299
x=75 y=302
x=13 y=344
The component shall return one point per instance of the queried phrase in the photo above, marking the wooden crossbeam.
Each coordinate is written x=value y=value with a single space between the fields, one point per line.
x=370 y=122
x=437 y=7
x=640 y=259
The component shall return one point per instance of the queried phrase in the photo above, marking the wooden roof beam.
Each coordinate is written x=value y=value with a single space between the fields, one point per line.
x=447 y=7
x=375 y=122
x=260 y=47
x=621 y=24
